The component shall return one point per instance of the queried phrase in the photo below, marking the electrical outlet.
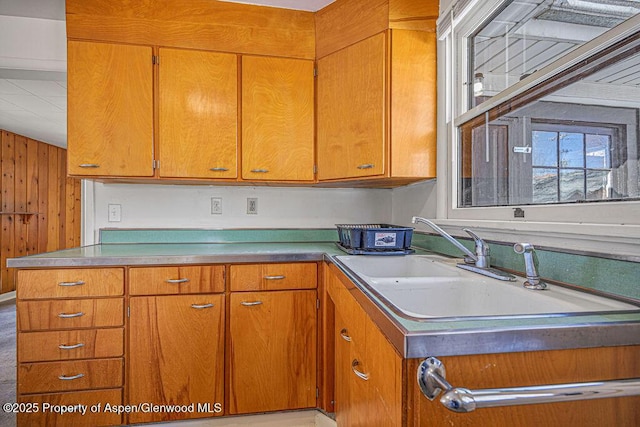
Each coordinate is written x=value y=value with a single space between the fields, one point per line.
x=216 y=206
x=115 y=213
x=252 y=206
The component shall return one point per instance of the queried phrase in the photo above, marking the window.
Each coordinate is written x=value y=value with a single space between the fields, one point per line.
x=553 y=104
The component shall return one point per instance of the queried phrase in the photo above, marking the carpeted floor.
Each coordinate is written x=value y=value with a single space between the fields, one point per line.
x=7 y=360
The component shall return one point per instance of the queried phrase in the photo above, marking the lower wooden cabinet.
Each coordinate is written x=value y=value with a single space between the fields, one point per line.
x=92 y=408
x=368 y=370
x=272 y=351
x=70 y=346
x=176 y=356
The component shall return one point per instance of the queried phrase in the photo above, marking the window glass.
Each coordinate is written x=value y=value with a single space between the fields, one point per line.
x=571 y=139
x=527 y=35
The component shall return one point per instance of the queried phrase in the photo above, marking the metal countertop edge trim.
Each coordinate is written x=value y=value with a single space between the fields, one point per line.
x=522 y=339
x=161 y=260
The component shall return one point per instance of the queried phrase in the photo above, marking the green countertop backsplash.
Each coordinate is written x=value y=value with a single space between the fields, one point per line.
x=593 y=272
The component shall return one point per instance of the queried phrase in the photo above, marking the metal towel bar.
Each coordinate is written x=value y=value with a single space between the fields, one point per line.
x=431 y=378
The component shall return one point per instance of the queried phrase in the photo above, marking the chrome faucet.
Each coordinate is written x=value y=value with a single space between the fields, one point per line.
x=531 y=266
x=480 y=262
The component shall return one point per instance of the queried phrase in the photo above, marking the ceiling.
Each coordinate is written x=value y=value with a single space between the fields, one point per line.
x=33 y=65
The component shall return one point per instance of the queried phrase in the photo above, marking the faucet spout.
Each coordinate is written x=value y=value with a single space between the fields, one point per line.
x=478 y=262
x=467 y=252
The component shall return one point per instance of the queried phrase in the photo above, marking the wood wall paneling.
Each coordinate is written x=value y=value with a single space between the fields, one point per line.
x=34 y=180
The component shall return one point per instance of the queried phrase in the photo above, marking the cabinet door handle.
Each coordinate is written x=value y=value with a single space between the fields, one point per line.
x=71 y=315
x=260 y=170
x=366 y=166
x=280 y=277
x=70 y=347
x=354 y=366
x=89 y=165
x=345 y=335
x=73 y=377
x=218 y=169
x=201 y=306
x=177 y=281
x=78 y=283
x=250 y=303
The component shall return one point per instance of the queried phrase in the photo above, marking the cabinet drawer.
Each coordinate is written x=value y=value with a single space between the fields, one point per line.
x=176 y=280
x=69 y=375
x=70 y=314
x=87 y=398
x=74 y=344
x=70 y=283
x=271 y=277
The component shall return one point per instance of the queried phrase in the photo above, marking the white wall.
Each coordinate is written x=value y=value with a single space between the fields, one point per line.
x=185 y=206
x=414 y=200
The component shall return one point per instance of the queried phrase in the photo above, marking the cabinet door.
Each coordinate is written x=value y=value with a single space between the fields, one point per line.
x=384 y=365
x=176 y=347
x=198 y=114
x=351 y=390
x=413 y=104
x=277 y=119
x=352 y=118
x=110 y=109
x=273 y=351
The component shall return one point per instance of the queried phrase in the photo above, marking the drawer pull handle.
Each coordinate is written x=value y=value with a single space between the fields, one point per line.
x=89 y=165
x=70 y=316
x=201 y=306
x=366 y=166
x=73 y=377
x=354 y=366
x=275 y=277
x=260 y=170
x=70 y=347
x=345 y=335
x=218 y=169
x=177 y=281
x=78 y=283
x=250 y=304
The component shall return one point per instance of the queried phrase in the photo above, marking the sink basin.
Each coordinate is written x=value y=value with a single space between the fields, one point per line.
x=431 y=286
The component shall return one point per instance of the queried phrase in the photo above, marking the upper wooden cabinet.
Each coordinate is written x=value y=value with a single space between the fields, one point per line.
x=376 y=92
x=351 y=111
x=198 y=114
x=110 y=109
x=277 y=119
x=376 y=109
x=249 y=115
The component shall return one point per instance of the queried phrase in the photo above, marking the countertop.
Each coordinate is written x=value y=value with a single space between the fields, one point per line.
x=411 y=338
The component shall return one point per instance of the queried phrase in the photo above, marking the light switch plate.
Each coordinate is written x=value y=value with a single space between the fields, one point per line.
x=115 y=213
x=216 y=206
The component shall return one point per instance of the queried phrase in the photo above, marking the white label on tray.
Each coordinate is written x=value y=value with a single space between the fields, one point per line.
x=385 y=239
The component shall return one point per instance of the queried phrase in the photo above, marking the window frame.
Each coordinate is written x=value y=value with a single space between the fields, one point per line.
x=456 y=26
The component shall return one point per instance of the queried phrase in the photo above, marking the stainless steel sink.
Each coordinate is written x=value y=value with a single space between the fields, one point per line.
x=430 y=287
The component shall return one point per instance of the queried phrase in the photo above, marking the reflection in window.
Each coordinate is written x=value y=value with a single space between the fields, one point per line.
x=569 y=140
x=527 y=35
x=583 y=171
